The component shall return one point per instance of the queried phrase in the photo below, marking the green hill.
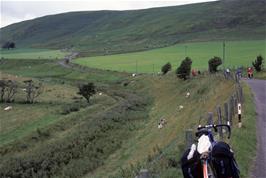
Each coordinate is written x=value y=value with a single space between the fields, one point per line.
x=105 y=32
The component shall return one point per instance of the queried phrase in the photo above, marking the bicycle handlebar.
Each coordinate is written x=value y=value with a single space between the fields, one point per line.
x=201 y=131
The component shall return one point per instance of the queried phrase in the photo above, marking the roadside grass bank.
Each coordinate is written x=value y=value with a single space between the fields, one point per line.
x=243 y=140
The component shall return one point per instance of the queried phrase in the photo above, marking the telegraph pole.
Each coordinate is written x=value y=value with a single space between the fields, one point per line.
x=153 y=69
x=223 y=52
x=136 y=66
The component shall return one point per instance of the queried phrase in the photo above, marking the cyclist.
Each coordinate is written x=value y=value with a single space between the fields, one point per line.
x=250 y=72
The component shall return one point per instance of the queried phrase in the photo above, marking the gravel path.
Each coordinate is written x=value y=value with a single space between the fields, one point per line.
x=259 y=89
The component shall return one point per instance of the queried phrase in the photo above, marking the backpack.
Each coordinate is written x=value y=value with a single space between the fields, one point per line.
x=191 y=168
x=223 y=161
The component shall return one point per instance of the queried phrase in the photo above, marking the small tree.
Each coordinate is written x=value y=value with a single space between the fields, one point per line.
x=183 y=71
x=258 y=63
x=87 y=90
x=3 y=87
x=11 y=90
x=8 y=89
x=166 y=68
x=32 y=91
x=214 y=63
x=8 y=45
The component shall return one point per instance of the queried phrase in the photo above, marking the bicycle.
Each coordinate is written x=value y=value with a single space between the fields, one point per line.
x=205 y=144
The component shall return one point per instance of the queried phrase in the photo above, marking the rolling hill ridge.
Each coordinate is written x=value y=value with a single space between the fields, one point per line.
x=108 y=32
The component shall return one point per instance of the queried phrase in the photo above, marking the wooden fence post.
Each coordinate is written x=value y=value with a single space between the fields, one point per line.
x=226 y=114
x=241 y=94
x=233 y=106
x=235 y=102
x=219 y=113
x=230 y=111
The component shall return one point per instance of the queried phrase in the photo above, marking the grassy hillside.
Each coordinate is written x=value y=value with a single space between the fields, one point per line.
x=62 y=136
x=237 y=53
x=105 y=32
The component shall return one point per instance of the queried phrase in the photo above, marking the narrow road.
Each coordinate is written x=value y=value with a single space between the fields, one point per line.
x=67 y=59
x=259 y=89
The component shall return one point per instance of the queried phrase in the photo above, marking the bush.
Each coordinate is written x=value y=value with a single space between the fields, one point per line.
x=166 y=68
x=87 y=90
x=258 y=63
x=70 y=108
x=184 y=69
x=214 y=63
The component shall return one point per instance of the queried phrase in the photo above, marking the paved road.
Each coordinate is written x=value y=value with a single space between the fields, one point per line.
x=259 y=89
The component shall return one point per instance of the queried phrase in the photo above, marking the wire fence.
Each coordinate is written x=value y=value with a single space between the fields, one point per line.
x=224 y=113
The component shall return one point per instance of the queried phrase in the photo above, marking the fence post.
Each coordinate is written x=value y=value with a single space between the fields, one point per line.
x=226 y=114
x=241 y=94
x=235 y=102
x=233 y=106
x=219 y=113
x=189 y=138
x=230 y=111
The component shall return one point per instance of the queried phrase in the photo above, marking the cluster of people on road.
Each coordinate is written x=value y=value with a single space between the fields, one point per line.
x=239 y=73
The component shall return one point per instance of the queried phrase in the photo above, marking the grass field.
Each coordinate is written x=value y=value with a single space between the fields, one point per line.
x=31 y=53
x=237 y=53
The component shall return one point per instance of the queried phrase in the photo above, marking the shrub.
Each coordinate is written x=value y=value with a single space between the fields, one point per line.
x=184 y=69
x=166 y=68
x=258 y=63
x=70 y=108
x=214 y=63
x=87 y=90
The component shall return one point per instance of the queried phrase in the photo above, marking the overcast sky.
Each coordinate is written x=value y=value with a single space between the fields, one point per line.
x=19 y=10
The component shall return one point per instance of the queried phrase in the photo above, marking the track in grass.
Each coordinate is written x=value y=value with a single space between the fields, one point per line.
x=236 y=53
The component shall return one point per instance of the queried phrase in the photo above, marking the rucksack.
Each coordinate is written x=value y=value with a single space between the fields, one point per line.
x=191 y=168
x=223 y=161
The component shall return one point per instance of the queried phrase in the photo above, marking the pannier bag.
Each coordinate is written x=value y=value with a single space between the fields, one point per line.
x=223 y=161
x=191 y=168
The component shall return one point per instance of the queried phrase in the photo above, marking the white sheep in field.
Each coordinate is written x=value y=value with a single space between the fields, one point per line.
x=187 y=94
x=181 y=107
x=160 y=126
x=7 y=108
x=134 y=75
x=100 y=93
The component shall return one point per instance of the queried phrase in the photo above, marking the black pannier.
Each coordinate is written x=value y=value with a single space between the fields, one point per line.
x=224 y=162
x=191 y=168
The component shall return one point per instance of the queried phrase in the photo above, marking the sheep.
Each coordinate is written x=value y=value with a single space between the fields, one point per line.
x=160 y=126
x=7 y=108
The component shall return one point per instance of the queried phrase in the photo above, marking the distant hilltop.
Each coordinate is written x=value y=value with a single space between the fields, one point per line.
x=108 y=32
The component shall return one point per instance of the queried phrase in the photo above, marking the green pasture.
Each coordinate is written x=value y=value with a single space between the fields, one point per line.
x=31 y=54
x=236 y=53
